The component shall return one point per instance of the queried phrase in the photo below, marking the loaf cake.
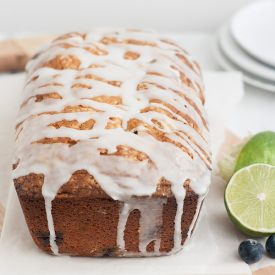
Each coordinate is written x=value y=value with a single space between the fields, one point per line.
x=112 y=145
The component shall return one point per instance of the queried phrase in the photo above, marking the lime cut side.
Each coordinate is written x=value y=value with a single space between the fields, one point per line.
x=250 y=199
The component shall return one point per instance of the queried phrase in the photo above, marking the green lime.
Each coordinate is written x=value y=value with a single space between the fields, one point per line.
x=250 y=199
x=259 y=149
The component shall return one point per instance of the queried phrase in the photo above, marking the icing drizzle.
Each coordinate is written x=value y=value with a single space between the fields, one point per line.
x=88 y=95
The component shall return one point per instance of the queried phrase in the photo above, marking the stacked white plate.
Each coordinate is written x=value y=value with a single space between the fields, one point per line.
x=247 y=44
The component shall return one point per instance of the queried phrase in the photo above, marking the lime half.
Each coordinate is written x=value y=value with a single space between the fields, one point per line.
x=250 y=199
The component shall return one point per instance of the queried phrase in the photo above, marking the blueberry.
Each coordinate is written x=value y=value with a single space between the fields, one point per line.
x=251 y=251
x=270 y=246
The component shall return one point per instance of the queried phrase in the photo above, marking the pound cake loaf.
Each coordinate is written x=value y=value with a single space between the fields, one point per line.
x=112 y=155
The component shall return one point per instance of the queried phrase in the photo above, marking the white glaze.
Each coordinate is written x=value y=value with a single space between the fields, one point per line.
x=119 y=177
x=149 y=225
x=195 y=218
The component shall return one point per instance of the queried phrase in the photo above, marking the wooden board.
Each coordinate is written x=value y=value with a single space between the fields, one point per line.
x=14 y=53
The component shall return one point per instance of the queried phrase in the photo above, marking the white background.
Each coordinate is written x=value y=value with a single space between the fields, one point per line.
x=162 y=15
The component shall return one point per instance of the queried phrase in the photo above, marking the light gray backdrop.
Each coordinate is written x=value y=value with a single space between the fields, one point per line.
x=163 y=15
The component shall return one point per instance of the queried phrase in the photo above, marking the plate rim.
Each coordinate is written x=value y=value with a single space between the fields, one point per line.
x=229 y=52
x=225 y=64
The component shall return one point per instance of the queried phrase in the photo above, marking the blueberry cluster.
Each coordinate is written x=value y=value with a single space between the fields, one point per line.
x=251 y=251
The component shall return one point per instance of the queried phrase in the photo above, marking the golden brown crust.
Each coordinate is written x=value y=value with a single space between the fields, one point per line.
x=131 y=55
x=74 y=124
x=81 y=184
x=61 y=62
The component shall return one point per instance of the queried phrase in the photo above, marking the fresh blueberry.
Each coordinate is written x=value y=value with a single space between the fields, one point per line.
x=251 y=251
x=270 y=246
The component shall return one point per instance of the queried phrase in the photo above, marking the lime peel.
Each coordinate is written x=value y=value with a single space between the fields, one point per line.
x=259 y=149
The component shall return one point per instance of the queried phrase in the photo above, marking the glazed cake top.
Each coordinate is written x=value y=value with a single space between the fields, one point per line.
x=126 y=106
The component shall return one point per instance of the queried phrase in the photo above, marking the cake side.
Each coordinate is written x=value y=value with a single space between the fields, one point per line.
x=86 y=220
x=86 y=226
x=117 y=117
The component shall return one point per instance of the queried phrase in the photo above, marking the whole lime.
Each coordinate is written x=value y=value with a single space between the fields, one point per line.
x=259 y=149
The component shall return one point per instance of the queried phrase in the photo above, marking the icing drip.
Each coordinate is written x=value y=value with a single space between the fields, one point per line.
x=123 y=217
x=195 y=218
x=177 y=230
x=52 y=236
x=149 y=225
x=157 y=99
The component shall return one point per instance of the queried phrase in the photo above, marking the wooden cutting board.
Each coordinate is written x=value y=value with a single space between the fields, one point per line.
x=14 y=53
